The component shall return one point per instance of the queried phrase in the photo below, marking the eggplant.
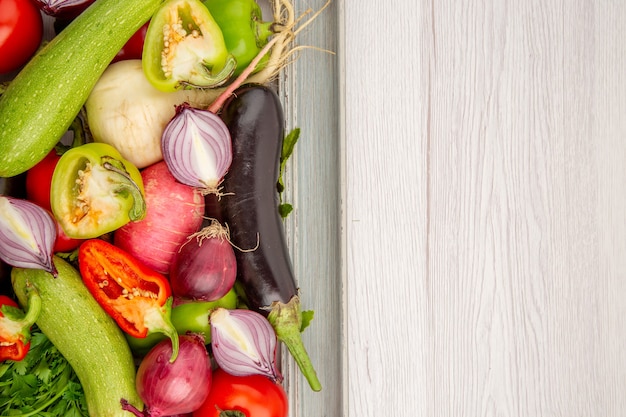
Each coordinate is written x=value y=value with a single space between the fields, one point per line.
x=13 y=187
x=249 y=207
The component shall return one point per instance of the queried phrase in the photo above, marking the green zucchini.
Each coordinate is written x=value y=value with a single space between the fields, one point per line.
x=85 y=335
x=46 y=95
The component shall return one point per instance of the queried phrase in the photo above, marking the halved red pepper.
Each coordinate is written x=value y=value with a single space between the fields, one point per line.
x=138 y=298
x=15 y=326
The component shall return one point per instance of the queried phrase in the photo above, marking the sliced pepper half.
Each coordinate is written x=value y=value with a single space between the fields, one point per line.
x=138 y=298
x=15 y=326
x=95 y=191
x=184 y=48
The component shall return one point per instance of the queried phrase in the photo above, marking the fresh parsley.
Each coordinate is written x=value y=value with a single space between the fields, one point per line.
x=42 y=384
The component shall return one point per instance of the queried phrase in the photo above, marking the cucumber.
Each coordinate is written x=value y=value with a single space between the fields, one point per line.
x=46 y=95
x=85 y=335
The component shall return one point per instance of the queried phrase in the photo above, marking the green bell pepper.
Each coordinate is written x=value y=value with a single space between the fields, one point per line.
x=245 y=33
x=95 y=191
x=192 y=316
x=184 y=48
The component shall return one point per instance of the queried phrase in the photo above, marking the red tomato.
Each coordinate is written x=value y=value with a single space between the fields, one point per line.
x=254 y=396
x=133 y=49
x=38 y=182
x=21 y=32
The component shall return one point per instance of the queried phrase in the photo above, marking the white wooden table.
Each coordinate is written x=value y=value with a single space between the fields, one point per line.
x=460 y=188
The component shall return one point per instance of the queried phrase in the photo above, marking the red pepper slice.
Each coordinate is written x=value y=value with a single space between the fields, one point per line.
x=15 y=326
x=138 y=298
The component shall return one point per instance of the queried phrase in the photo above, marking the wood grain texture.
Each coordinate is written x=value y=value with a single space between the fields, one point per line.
x=485 y=208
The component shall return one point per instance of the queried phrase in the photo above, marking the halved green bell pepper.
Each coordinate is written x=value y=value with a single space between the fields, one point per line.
x=95 y=191
x=184 y=48
x=244 y=30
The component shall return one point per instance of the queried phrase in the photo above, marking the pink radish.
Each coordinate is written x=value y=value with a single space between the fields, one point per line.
x=174 y=211
x=205 y=267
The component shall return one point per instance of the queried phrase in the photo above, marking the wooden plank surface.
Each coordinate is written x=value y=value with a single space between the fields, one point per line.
x=484 y=209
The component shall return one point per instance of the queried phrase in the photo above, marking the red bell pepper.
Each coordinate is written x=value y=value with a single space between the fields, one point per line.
x=15 y=326
x=138 y=298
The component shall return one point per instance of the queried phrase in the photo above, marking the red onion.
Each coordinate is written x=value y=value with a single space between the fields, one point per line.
x=27 y=235
x=205 y=267
x=172 y=388
x=244 y=343
x=63 y=8
x=197 y=148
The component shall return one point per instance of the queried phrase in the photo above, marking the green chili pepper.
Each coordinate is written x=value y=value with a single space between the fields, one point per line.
x=184 y=47
x=95 y=191
x=192 y=316
x=244 y=31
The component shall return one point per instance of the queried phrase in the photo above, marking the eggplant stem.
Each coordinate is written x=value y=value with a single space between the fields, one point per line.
x=286 y=319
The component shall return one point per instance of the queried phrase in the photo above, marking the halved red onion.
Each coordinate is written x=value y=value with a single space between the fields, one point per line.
x=197 y=147
x=27 y=235
x=244 y=343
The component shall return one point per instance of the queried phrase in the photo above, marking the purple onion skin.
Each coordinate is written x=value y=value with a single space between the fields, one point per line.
x=174 y=388
x=43 y=227
x=203 y=270
x=181 y=154
x=252 y=351
x=66 y=9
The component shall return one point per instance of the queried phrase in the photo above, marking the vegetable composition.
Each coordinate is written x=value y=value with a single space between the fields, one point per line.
x=21 y=33
x=145 y=269
x=84 y=334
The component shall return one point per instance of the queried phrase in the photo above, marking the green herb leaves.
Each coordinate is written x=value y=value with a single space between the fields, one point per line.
x=288 y=145
x=41 y=384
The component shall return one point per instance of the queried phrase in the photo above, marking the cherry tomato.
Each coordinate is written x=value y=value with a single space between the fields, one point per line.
x=38 y=182
x=21 y=32
x=254 y=396
x=134 y=47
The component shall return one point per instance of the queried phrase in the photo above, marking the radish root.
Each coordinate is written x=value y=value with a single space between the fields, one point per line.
x=217 y=231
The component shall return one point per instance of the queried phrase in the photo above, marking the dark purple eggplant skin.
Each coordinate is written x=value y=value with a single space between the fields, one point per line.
x=12 y=187
x=255 y=119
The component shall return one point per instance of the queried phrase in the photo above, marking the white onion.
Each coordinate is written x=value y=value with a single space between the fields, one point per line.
x=244 y=343
x=27 y=235
x=126 y=111
x=197 y=147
